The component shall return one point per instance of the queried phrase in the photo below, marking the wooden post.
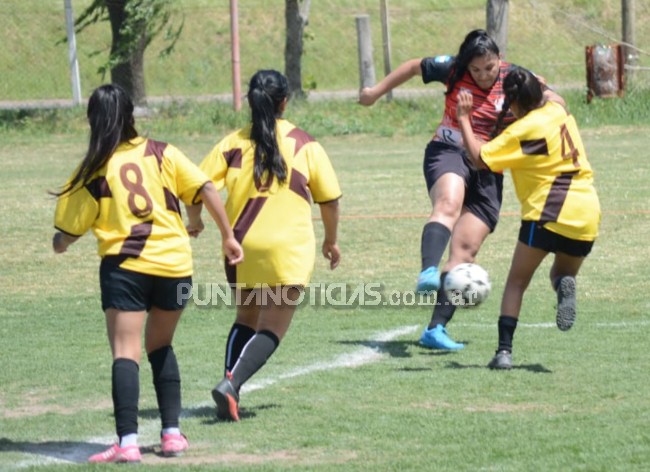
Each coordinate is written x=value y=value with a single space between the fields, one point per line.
x=366 y=66
x=234 y=45
x=497 y=23
x=72 y=53
x=629 y=37
x=385 y=33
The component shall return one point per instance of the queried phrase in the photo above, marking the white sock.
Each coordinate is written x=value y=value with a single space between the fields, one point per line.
x=129 y=440
x=171 y=431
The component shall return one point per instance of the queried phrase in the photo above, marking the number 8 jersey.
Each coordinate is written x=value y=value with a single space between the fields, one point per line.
x=550 y=171
x=133 y=207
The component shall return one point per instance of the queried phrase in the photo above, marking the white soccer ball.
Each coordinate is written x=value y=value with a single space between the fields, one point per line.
x=467 y=285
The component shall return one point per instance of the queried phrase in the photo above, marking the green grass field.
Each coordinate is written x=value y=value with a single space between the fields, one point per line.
x=349 y=388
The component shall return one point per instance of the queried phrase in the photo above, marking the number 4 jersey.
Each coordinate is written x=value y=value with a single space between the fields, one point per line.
x=133 y=207
x=552 y=177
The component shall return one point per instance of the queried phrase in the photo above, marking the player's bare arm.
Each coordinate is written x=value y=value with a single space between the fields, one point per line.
x=406 y=71
x=330 y=215
x=472 y=143
x=212 y=201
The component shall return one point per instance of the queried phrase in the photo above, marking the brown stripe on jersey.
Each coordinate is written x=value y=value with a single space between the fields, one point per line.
x=556 y=197
x=535 y=146
x=298 y=183
x=231 y=272
x=249 y=213
x=134 y=242
x=156 y=149
x=301 y=137
x=171 y=201
x=99 y=188
x=233 y=158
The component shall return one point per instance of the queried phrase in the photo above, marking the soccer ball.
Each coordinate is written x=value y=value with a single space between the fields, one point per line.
x=467 y=285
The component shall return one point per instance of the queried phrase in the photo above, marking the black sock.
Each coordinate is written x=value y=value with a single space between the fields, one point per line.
x=507 y=326
x=167 y=383
x=254 y=355
x=443 y=311
x=435 y=237
x=126 y=391
x=237 y=338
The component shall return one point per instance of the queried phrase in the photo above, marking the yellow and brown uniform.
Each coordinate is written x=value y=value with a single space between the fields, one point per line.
x=132 y=206
x=552 y=176
x=273 y=223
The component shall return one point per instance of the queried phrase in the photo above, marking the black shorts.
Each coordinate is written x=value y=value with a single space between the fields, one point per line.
x=126 y=290
x=533 y=234
x=483 y=188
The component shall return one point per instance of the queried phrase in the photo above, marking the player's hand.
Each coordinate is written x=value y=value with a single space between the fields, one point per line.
x=58 y=244
x=233 y=251
x=367 y=96
x=61 y=241
x=464 y=106
x=194 y=228
x=332 y=252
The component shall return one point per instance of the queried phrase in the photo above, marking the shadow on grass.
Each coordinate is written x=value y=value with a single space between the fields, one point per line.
x=76 y=452
x=392 y=348
x=535 y=368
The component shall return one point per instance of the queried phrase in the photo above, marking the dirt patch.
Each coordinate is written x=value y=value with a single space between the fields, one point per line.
x=35 y=403
x=200 y=455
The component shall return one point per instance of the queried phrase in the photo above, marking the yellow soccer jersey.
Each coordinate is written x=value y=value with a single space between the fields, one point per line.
x=552 y=177
x=273 y=226
x=132 y=206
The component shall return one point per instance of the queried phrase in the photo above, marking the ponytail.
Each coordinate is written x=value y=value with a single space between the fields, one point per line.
x=267 y=91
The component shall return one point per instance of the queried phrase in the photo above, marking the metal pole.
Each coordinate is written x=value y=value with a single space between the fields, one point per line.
x=72 y=53
x=385 y=32
x=629 y=37
x=234 y=44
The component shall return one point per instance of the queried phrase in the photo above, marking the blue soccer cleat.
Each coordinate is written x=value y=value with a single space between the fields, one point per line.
x=437 y=338
x=429 y=280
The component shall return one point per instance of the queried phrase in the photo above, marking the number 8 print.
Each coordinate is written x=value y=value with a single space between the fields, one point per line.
x=135 y=188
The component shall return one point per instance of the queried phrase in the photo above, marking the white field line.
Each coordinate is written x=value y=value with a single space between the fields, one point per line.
x=43 y=455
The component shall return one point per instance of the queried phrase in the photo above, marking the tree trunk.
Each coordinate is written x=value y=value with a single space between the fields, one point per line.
x=129 y=71
x=296 y=19
x=497 y=23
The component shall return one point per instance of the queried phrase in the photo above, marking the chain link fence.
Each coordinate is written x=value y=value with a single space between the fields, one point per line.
x=549 y=37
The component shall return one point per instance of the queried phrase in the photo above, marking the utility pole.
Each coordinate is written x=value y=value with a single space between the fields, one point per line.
x=72 y=53
x=629 y=39
x=497 y=23
x=234 y=54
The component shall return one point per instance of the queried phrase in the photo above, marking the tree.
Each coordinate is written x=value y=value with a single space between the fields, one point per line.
x=297 y=16
x=134 y=24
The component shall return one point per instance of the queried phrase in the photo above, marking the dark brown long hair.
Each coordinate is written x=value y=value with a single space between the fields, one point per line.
x=477 y=43
x=110 y=116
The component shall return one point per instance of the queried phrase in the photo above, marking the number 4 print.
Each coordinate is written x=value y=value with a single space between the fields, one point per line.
x=569 y=151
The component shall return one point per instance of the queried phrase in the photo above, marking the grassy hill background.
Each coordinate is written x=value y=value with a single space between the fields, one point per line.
x=547 y=36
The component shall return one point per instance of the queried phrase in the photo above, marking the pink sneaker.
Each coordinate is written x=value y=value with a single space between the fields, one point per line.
x=118 y=454
x=173 y=445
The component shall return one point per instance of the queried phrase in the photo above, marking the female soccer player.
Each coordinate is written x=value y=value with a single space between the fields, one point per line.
x=553 y=180
x=272 y=170
x=127 y=190
x=465 y=202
